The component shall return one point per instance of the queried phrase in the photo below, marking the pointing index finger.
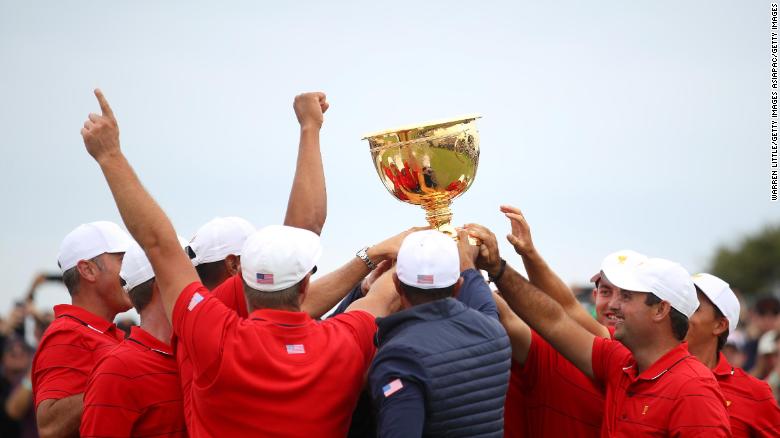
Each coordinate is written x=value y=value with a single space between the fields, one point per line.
x=104 y=106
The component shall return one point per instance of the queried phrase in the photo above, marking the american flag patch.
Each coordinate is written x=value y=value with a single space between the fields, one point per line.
x=295 y=349
x=265 y=278
x=196 y=299
x=425 y=279
x=392 y=387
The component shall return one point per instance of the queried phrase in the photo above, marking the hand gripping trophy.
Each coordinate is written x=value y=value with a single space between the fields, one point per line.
x=428 y=164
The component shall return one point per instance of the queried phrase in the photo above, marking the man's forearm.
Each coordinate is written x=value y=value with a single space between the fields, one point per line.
x=60 y=418
x=151 y=228
x=543 y=277
x=307 y=206
x=144 y=219
x=548 y=318
x=527 y=301
x=327 y=291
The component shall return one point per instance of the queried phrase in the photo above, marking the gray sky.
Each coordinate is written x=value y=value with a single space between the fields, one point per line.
x=612 y=124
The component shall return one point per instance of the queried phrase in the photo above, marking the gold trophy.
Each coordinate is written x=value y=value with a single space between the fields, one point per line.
x=428 y=164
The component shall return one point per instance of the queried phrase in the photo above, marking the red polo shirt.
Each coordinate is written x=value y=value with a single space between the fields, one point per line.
x=676 y=396
x=134 y=391
x=68 y=352
x=276 y=374
x=749 y=401
x=549 y=396
x=231 y=293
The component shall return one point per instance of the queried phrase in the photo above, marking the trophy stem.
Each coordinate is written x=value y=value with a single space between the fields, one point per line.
x=439 y=215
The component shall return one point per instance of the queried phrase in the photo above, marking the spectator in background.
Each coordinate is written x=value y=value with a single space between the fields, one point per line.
x=17 y=419
x=773 y=379
x=762 y=318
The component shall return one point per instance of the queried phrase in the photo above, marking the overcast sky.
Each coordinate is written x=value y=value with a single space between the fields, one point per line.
x=612 y=124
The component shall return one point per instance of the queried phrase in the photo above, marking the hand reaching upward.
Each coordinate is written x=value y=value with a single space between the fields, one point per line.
x=101 y=132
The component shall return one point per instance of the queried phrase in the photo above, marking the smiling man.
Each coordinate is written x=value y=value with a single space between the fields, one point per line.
x=652 y=384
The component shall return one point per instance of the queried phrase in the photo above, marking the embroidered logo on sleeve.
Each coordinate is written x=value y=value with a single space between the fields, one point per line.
x=196 y=299
x=295 y=349
x=392 y=387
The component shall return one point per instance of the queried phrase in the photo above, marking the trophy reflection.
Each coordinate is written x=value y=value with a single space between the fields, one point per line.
x=428 y=164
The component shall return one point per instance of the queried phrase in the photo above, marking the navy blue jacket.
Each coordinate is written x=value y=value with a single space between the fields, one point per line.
x=442 y=368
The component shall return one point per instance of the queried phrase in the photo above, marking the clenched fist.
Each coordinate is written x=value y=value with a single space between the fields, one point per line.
x=101 y=132
x=309 y=108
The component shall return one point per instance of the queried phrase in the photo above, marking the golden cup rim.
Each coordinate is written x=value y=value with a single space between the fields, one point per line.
x=439 y=122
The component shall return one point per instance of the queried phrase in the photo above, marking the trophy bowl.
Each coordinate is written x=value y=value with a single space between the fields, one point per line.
x=428 y=164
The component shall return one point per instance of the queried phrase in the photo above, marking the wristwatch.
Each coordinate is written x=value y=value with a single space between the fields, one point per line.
x=363 y=255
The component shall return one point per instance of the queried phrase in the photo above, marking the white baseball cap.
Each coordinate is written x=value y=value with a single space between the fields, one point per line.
x=428 y=259
x=666 y=279
x=90 y=240
x=136 y=268
x=218 y=238
x=277 y=257
x=721 y=295
x=617 y=263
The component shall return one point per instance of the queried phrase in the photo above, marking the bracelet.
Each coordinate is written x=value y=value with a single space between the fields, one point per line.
x=27 y=383
x=363 y=255
x=500 y=272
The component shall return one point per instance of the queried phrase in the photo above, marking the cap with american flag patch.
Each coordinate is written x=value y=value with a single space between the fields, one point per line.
x=428 y=259
x=278 y=257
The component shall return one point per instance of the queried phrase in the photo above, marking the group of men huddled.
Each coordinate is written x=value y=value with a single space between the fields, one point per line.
x=233 y=340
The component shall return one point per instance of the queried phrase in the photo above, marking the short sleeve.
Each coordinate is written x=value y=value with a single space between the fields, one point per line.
x=767 y=413
x=109 y=407
x=200 y=321
x=362 y=325
x=62 y=366
x=527 y=374
x=608 y=358
x=475 y=293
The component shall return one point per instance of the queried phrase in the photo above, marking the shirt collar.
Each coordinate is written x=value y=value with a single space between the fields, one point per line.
x=146 y=339
x=89 y=319
x=661 y=366
x=723 y=368
x=281 y=317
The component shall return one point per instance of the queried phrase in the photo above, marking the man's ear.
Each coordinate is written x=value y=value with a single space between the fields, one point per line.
x=303 y=289
x=88 y=270
x=721 y=326
x=233 y=264
x=662 y=309
x=405 y=303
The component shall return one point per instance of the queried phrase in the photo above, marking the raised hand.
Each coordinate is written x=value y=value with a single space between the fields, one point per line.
x=468 y=252
x=388 y=248
x=520 y=237
x=309 y=108
x=101 y=132
x=488 y=258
